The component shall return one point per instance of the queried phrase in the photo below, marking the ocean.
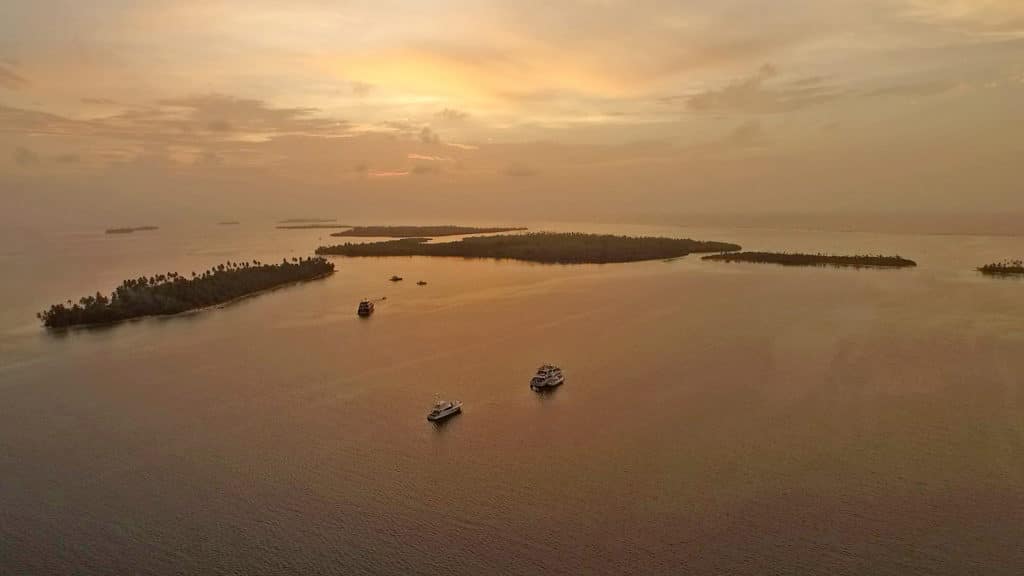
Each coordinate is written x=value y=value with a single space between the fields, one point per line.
x=716 y=418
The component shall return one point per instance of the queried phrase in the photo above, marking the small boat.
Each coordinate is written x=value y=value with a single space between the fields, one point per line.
x=396 y=278
x=444 y=409
x=365 y=308
x=547 y=376
x=421 y=283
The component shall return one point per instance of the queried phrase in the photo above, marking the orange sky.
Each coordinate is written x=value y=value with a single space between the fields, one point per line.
x=117 y=110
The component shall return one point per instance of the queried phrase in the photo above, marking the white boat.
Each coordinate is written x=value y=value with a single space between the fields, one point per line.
x=547 y=376
x=444 y=409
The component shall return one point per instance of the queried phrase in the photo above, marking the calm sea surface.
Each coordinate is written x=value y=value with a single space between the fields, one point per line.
x=716 y=418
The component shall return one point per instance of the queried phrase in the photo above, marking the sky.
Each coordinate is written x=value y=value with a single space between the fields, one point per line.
x=126 y=112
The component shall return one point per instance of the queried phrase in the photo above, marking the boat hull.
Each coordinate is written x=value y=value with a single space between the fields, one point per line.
x=444 y=415
x=548 y=384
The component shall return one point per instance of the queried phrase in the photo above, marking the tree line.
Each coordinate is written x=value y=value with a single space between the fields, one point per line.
x=547 y=247
x=172 y=293
x=1001 y=268
x=819 y=259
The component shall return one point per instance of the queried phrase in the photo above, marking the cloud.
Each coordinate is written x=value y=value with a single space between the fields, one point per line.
x=428 y=158
x=208 y=158
x=33 y=122
x=982 y=18
x=219 y=126
x=99 y=101
x=916 y=89
x=222 y=113
x=10 y=79
x=425 y=169
x=462 y=146
x=428 y=136
x=361 y=89
x=452 y=115
x=748 y=134
x=762 y=93
x=25 y=157
x=196 y=120
x=517 y=170
x=521 y=54
x=388 y=173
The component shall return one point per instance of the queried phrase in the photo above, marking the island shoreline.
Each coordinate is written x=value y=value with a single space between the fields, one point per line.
x=537 y=247
x=796 y=259
x=235 y=300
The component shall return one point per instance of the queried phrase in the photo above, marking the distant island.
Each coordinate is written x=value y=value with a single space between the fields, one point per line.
x=311 y=226
x=173 y=293
x=229 y=223
x=420 y=231
x=306 y=220
x=130 y=229
x=1008 y=268
x=546 y=247
x=796 y=259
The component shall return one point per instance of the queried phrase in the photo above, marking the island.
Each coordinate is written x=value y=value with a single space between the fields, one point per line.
x=306 y=220
x=311 y=226
x=130 y=229
x=420 y=231
x=173 y=293
x=545 y=247
x=797 y=259
x=229 y=223
x=1008 y=268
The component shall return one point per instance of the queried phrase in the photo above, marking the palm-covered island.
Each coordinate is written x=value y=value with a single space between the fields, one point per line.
x=173 y=293
x=1008 y=268
x=131 y=229
x=420 y=231
x=311 y=226
x=546 y=247
x=797 y=259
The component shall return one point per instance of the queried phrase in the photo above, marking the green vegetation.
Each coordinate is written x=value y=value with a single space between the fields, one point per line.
x=1008 y=268
x=130 y=229
x=419 y=231
x=796 y=259
x=172 y=293
x=548 y=247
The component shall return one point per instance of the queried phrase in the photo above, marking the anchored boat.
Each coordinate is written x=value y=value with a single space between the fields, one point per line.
x=365 y=308
x=547 y=376
x=444 y=409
